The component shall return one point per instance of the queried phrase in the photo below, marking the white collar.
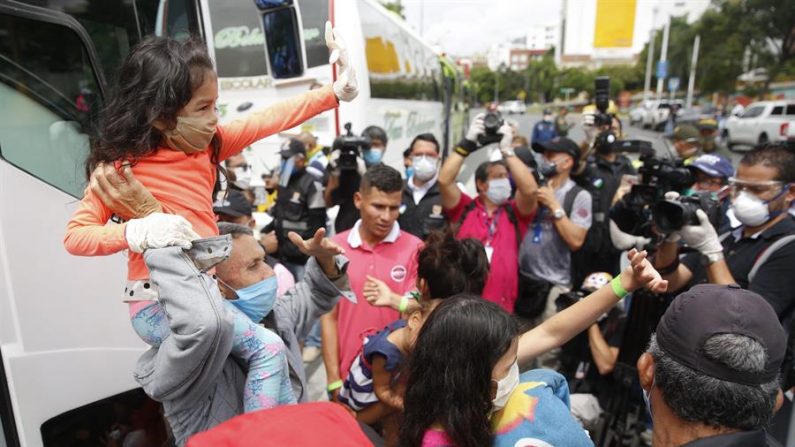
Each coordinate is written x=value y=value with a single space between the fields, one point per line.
x=425 y=186
x=355 y=239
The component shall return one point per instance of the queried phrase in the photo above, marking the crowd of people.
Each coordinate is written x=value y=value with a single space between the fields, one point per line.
x=432 y=306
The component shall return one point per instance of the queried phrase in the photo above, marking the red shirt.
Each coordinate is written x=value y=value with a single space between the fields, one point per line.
x=393 y=261
x=503 y=281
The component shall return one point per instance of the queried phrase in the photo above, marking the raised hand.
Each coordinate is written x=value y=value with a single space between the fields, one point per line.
x=640 y=273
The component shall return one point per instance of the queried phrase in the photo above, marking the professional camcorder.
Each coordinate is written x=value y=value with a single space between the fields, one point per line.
x=645 y=206
x=350 y=146
x=491 y=123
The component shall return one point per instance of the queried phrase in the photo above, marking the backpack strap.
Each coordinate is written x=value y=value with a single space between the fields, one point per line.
x=468 y=209
x=767 y=253
x=568 y=199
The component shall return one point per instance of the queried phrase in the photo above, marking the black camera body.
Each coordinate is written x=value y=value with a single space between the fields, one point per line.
x=350 y=146
x=672 y=215
x=491 y=124
x=645 y=206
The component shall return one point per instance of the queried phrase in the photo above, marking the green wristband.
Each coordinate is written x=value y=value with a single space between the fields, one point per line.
x=334 y=386
x=618 y=289
x=404 y=304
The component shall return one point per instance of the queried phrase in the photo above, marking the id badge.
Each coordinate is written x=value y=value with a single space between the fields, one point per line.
x=489 y=252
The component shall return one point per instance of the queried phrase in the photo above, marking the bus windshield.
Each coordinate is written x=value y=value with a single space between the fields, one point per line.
x=239 y=42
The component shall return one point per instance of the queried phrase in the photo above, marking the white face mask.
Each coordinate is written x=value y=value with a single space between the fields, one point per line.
x=752 y=211
x=242 y=177
x=499 y=190
x=505 y=387
x=425 y=167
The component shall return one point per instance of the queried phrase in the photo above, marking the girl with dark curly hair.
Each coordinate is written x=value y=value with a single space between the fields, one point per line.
x=161 y=124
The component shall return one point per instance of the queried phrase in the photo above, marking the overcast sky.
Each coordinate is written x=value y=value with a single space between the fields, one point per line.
x=465 y=27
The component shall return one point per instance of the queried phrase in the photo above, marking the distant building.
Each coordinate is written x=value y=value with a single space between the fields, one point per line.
x=603 y=32
x=543 y=37
x=519 y=59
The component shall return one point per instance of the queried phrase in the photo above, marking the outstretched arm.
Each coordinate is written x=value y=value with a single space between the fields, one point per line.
x=566 y=324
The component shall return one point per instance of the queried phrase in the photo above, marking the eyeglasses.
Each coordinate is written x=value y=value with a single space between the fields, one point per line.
x=708 y=182
x=755 y=188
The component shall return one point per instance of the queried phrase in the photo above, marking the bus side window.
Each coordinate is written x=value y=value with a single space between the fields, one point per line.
x=282 y=44
x=50 y=99
x=126 y=419
x=314 y=14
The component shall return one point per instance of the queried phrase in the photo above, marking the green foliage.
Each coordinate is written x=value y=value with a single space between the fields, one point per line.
x=396 y=7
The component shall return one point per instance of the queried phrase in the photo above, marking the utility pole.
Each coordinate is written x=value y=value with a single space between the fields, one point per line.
x=663 y=55
x=649 y=65
x=691 y=83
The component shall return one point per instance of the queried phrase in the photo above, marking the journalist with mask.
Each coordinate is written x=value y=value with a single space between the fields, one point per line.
x=421 y=206
x=492 y=217
x=759 y=254
x=558 y=229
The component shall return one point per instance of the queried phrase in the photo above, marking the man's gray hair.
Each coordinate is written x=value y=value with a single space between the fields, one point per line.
x=697 y=397
x=236 y=230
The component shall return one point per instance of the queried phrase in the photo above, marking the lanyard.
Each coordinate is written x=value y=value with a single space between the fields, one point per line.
x=537 y=225
x=492 y=226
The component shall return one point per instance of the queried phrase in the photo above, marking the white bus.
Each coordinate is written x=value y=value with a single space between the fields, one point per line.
x=405 y=86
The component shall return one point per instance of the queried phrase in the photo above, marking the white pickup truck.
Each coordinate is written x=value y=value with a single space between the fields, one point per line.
x=761 y=122
x=657 y=112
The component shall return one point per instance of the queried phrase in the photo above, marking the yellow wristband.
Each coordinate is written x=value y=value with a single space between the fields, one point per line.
x=618 y=289
x=334 y=386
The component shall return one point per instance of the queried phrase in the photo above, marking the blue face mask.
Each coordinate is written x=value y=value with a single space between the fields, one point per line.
x=409 y=171
x=372 y=156
x=256 y=300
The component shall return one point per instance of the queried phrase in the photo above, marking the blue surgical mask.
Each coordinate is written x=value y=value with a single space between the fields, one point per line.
x=256 y=300
x=373 y=156
x=409 y=171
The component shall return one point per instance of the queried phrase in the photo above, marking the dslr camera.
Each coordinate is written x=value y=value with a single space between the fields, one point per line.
x=491 y=123
x=350 y=146
x=602 y=101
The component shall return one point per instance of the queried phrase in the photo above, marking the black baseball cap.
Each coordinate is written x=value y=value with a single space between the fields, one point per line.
x=560 y=144
x=235 y=204
x=292 y=147
x=711 y=309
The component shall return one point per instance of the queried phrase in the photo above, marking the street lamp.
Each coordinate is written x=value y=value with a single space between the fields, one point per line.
x=501 y=69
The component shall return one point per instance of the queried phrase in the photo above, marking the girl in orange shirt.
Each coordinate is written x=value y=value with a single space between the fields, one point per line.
x=163 y=123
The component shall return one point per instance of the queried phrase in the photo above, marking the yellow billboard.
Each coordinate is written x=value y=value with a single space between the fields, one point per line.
x=615 y=23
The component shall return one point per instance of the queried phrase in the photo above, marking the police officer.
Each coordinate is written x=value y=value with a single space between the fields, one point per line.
x=299 y=206
x=421 y=206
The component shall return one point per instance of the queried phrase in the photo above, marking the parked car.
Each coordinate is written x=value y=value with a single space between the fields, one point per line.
x=636 y=113
x=760 y=122
x=657 y=113
x=511 y=107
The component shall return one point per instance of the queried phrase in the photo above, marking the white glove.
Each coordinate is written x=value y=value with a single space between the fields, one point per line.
x=626 y=241
x=345 y=87
x=159 y=230
x=507 y=138
x=476 y=128
x=703 y=237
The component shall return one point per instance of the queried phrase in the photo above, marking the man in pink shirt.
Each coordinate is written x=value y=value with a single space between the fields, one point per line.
x=492 y=217
x=377 y=247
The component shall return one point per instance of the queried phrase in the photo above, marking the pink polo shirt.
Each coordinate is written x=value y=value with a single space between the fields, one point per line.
x=393 y=261
x=503 y=281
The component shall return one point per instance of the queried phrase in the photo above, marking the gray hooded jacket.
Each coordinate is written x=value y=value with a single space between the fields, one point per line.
x=192 y=372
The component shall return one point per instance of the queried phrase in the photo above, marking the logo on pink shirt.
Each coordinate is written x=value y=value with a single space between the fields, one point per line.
x=398 y=273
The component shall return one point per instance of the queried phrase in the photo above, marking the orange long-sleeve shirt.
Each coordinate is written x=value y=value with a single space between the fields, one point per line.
x=182 y=183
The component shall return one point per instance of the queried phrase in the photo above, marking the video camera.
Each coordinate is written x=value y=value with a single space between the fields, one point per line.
x=491 y=123
x=645 y=207
x=602 y=101
x=350 y=146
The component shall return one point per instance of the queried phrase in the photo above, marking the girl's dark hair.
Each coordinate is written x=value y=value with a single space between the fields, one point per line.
x=449 y=372
x=451 y=266
x=155 y=81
